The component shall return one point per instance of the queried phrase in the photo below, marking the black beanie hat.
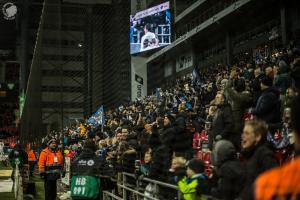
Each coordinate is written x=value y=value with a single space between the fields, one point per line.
x=267 y=81
x=196 y=165
x=170 y=117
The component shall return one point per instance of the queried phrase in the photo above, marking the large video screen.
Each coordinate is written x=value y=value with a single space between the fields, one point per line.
x=150 y=29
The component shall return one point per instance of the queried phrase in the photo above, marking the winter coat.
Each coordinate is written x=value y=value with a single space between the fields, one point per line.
x=88 y=164
x=222 y=124
x=154 y=139
x=127 y=161
x=189 y=187
x=259 y=159
x=168 y=136
x=268 y=106
x=255 y=86
x=240 y=101
x=231 y=175
x=283 y=80
x=183 y=140
x=161 y=162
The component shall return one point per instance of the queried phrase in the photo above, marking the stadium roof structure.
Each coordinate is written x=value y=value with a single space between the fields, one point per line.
x=213 y=20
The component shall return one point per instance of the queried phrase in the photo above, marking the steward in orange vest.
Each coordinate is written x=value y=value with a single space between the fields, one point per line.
x=31 y=160
x=50 y=168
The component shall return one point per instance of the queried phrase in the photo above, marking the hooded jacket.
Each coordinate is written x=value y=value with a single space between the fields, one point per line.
x=229 y=171
x=88 y=164
x=268 y=106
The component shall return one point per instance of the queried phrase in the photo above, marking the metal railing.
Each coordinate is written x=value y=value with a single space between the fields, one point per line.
x=137 y=191
x=18 y=184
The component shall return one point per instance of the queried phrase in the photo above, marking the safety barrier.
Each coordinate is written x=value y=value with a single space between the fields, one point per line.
x=18 y=183
x=137 y=192
x=141 y=193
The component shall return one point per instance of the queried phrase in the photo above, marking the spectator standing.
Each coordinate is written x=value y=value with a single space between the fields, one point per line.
x=240 y=101
x=222 y=123
x=259 y=157
x=230 y=173
x=268 y=105
x=255 y=85
x=195 y=184
x=282 y=182
x=282 y=80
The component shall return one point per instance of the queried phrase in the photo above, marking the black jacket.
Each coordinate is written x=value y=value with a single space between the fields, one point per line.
x=161 y=162
x=183 y=139
x=255 y=86
x=88 y=164
x=127 y=161
x=268 y=106
x=259 y=159
x=222 y=123
x=230 y=173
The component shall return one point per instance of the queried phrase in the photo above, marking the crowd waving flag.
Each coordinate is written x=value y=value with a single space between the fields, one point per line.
x=98 y=118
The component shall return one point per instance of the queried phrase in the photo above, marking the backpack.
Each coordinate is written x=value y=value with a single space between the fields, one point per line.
x=85 y=187
x=203 y=187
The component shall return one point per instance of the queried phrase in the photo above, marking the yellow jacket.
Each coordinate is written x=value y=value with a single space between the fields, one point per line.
x=188 y=187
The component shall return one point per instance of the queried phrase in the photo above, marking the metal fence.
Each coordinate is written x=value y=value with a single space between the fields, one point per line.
x=18 y=184
x=138 y=192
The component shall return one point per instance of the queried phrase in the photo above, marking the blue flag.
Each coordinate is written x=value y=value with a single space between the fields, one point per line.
x=98 y=118
x=196 y=75
x=158 y=93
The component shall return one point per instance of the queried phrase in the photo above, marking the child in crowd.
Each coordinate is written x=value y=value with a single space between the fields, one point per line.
x=195 y=184
x=178 y=169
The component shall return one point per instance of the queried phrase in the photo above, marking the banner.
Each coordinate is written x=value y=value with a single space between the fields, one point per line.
x=185 y=61
x=97 y=118
x=152 y=11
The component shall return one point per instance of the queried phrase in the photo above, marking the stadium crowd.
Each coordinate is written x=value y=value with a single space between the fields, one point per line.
x=8 y=119
x=212 y=133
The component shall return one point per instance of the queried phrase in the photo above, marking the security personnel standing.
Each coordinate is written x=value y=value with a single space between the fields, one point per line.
x=31 y=159
x=50 y=168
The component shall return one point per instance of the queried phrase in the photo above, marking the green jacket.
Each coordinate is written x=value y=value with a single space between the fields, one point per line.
x=188 y=187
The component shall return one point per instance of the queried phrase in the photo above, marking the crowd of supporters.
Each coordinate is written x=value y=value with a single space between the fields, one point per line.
x=8 y=119
x=213 y=132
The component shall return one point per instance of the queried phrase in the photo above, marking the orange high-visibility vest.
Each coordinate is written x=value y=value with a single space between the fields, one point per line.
x=50 y=162
x=31 y=155
x=279 y=183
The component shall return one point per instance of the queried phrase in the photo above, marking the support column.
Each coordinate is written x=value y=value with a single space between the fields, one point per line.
x=283 y=21
x=88 y=81
x=228 y=44
x=24 y=64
